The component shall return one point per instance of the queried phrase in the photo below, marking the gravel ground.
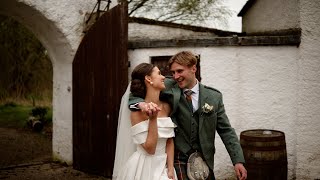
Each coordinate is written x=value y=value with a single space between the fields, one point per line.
x=25 y=154
x=45 y=170
x=20 y=146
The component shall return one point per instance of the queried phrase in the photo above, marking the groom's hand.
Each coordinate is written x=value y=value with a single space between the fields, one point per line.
x=240 y=171
x=151 y=109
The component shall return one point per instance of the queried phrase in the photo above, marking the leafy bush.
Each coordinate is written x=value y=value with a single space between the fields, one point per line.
x=39 y=112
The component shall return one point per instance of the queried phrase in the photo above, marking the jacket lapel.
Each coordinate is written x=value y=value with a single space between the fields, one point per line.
x=176 y=91
x=202 y=99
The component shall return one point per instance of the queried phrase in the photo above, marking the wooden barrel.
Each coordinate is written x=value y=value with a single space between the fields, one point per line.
x=265 y=154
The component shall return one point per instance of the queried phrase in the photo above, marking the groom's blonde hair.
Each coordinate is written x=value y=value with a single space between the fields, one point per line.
x=184 y=58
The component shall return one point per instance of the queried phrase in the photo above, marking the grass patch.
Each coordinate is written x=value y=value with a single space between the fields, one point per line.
x=15 y=116
x=48 y=116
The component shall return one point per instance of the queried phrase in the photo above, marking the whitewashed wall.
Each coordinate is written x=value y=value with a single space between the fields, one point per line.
x=304 y=14
x=260 y=88
x=308 y=134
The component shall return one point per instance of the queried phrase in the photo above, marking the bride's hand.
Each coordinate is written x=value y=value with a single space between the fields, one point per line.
x=151 y=109
x=171 y=174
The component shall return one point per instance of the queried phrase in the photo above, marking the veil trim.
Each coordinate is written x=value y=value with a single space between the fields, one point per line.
x=124 y=146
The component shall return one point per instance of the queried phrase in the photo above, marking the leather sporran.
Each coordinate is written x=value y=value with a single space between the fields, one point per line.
x=197 y=169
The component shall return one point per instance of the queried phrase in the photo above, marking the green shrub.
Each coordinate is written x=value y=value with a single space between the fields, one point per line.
x=39 y=112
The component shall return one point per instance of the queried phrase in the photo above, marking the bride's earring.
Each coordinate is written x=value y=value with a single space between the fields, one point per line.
x=148 y=79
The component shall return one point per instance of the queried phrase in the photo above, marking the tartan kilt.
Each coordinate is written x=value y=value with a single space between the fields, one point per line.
x=180 y=165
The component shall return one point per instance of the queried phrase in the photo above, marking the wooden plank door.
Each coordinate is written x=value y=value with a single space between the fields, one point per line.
x=100 y=77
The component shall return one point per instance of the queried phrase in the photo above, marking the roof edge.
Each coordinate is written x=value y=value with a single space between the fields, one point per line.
x=282 y=32
x=246 y=7
x=218 y=32
x=288 y=40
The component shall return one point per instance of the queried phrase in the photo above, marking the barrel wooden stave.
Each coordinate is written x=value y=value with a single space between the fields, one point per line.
x=265 y=154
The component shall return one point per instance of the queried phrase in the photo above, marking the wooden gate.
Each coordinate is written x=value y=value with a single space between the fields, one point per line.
x=100 y=77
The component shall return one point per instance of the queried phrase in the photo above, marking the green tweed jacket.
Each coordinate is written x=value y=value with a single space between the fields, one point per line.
x=212 y=119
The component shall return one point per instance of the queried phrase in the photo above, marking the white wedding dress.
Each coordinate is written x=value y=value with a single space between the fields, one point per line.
x=141 y=165
x=132 y=162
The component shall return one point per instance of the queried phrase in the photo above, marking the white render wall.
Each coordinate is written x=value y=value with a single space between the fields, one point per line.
x=308 y=134
x=271 y=15
x=58 y=24
x=259 y=86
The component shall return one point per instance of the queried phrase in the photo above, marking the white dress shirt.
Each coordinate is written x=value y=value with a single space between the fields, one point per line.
x=194 y=96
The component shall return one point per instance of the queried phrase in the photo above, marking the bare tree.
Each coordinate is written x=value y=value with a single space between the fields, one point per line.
x=195 y=12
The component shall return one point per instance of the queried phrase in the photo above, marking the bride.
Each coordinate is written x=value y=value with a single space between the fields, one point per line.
x=145 y=148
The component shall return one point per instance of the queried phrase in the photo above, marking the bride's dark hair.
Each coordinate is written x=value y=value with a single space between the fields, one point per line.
x=138 y=86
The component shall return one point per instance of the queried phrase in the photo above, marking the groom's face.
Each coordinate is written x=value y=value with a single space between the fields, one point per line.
x=184 y=75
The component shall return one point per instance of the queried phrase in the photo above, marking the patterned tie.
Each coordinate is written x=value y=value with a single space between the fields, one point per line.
x=188 y=93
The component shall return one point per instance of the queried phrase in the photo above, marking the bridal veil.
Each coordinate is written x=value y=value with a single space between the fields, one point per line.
x=124 y=146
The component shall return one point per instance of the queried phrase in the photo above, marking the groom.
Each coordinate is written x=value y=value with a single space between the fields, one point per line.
x=198 y=112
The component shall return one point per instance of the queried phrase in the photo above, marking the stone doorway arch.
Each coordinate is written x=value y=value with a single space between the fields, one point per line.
x=58 y=26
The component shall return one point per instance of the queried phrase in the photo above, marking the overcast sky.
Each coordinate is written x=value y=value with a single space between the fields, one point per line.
x=235 y=21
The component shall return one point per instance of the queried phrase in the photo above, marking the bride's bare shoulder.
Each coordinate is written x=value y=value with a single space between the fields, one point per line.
x=166 y=108
x=137 y=116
